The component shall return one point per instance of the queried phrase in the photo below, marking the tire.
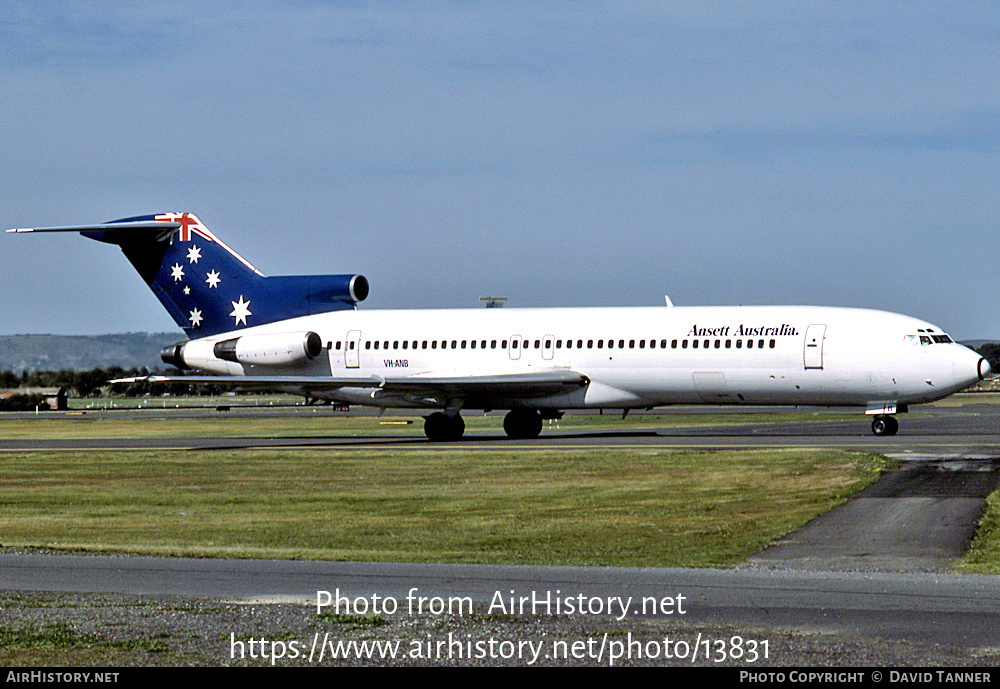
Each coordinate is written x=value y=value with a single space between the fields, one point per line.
x=440 y=428
x=522 y=424
x=885 y=425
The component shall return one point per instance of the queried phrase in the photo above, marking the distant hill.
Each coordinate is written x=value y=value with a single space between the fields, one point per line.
x=82 y=352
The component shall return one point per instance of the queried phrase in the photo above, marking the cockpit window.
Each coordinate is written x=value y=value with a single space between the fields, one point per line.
x=924 y=340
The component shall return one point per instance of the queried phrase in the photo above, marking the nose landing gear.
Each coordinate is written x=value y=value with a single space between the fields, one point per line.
x=885 y=425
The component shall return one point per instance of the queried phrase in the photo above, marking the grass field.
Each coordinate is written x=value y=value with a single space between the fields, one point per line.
x=629 y=507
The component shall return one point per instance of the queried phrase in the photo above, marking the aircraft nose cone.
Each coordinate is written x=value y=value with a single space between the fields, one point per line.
x=969 y=367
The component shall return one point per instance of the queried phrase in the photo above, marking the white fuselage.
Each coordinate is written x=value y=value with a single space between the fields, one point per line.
x=632 y=357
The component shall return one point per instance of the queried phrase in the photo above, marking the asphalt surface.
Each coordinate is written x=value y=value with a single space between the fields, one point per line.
x=876 y=568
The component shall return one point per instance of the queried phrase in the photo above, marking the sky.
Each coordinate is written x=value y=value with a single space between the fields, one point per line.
x=557 y=153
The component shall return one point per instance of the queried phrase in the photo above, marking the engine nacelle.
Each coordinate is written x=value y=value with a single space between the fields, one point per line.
x=225 y=357
x=275 y=349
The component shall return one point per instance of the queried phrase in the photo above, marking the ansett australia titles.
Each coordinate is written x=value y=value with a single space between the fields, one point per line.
x=743 y=330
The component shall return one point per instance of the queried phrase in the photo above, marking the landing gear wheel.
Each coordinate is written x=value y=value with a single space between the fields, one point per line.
x=522 y=424
x=885 y=425
x=439 y=427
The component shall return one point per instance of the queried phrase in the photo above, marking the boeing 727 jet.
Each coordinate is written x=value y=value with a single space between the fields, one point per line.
x=305 y=335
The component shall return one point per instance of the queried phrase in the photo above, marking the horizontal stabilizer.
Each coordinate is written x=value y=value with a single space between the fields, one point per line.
x=157 y=226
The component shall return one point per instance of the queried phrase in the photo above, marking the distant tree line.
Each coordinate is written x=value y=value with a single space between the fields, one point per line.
x=94 y=383
x=991 y=352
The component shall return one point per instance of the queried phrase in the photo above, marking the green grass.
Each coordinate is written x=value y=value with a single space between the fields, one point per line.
x=984 y=551
x=633 y=507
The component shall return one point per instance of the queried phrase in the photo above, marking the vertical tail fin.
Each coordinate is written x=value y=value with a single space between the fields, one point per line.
x=206 y=287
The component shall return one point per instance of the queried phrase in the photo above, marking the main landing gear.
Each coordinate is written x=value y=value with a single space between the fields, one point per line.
x=885 y=425
x=441 y=427
x=519 y=424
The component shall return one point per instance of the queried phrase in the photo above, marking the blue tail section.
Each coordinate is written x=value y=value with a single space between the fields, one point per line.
x=207 y=287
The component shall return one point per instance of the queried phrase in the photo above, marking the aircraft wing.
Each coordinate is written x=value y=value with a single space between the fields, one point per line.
x=503 y=386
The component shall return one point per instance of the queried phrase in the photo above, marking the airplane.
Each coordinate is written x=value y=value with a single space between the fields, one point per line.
x=305 y=335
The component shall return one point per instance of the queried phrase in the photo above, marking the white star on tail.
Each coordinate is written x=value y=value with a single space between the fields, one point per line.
x=194 y=253
x=241 y=310
x=213 y=278
x=195 y=318
x=177 y=272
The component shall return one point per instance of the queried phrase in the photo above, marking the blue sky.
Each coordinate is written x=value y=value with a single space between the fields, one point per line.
x=559 y=153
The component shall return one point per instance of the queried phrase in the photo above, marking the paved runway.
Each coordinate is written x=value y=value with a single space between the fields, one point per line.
x=868 y=569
